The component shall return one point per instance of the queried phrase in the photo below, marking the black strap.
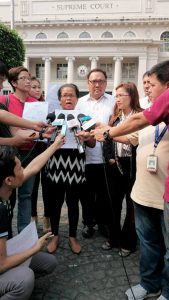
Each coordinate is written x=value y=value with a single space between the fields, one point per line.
x=7 y=101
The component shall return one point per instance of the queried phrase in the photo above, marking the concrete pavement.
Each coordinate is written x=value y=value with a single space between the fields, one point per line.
x=94 y=274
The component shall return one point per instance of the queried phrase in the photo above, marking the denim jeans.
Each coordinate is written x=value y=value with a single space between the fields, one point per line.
x=25 y=191
x=24 y=203
x=151 y=231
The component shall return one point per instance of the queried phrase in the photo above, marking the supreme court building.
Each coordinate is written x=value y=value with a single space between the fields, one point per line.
x=64 y=39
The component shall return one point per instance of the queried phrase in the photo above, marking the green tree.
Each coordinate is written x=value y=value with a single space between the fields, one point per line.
x=12 y=49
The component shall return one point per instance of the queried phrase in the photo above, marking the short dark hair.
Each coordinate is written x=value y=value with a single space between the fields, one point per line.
x=95 y=71
x=3 y=69
x=7 y=162
x=161 y=70
x=147 y=73
x=70 y=85
x=14 y=73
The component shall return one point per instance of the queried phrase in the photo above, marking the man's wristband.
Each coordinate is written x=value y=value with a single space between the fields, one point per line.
x=41 y=136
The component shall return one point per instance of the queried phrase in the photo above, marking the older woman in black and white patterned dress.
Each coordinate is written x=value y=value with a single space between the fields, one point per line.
x=66 y=177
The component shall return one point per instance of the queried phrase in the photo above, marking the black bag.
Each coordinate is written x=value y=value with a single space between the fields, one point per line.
x=4 y=129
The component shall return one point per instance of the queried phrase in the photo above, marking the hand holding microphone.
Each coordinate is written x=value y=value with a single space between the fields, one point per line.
x=46 y=130
x=60 y=127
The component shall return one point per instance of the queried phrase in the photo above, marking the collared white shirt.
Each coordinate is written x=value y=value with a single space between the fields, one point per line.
x=100 y=110
x=145 y=102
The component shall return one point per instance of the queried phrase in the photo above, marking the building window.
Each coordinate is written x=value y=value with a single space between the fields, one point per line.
x=108 y=68
x=41 y=35
x=84 y=35
x=129 y=71
x=24 y=8
x=40 y=70
x=165 y=39
x=129 y=34
x=61 y=72
x=62 y=35
x=107 y=35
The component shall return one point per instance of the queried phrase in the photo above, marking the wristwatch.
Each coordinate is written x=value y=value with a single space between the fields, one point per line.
x=106 y=136
x=40 y=135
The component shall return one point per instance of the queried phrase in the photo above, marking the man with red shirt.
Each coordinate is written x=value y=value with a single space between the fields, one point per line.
x=20 y=80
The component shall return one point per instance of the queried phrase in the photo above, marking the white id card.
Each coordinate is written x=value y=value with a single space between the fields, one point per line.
x=152 y=163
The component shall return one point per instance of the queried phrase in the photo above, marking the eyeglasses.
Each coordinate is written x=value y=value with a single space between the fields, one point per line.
x=100 y=82
x=120 y=96
x=68 y=96
x=24 y=78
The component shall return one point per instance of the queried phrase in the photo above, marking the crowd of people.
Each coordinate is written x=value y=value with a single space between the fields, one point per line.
x=119 y=159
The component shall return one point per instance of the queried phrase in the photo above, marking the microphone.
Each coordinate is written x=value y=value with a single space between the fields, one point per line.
x=60 y=127
x=73 y=124
x=61 y=117
x=50 y=117
x=86 y=122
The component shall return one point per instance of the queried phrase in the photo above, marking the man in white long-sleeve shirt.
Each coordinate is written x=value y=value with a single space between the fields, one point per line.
x=98 y=105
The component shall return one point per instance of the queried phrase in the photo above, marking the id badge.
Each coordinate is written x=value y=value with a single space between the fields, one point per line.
x=152 y=163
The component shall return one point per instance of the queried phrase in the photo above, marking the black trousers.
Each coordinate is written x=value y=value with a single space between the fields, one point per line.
x=95 y=197
x=120 y=187
x=56 y=196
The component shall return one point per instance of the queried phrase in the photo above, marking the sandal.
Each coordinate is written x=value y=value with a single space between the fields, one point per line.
x=53 y=244
x=124 y=252
x=74 y=245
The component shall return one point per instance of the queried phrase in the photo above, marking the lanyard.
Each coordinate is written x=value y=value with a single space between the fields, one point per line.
x=158 y=137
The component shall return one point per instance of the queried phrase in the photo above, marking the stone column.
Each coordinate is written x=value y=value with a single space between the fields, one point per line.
x=142 y=68
x=70 y=70
x=26 y=63
x=93 y=62
x=47 y=73
x=117 y=70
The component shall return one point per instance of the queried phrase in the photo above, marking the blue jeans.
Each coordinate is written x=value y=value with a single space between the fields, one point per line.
x=24 y=203
x=151 y=231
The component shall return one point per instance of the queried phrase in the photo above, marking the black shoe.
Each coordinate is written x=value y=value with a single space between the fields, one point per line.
x=103 y=229
x=87 y=232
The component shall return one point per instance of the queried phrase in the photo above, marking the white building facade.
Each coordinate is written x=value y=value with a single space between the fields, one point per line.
x=66 y=39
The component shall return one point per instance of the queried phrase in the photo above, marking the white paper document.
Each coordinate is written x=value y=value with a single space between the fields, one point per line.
x=35 y=111
x=23 y=241
x=52 y=97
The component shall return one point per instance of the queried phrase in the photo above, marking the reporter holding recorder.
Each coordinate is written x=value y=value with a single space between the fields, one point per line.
x=19 y=78
x=17 y=281
x=66 y=175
